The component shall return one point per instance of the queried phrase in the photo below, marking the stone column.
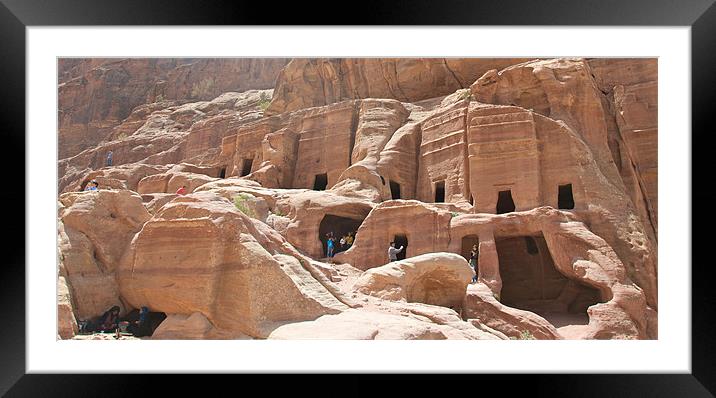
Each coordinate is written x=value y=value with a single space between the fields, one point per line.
x=487 y=262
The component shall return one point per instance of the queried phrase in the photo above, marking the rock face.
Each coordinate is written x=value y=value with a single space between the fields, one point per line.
x=306 y=82
x=434 y=278
x=96 y=94
x=95 y=230
x=546 y=168
x=201 y=254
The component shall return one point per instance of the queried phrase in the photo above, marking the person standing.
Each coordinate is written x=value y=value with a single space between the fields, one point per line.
x=109 y=158
x=393 y=252
x=330 y=245
x=473 y=261
x=349 y=240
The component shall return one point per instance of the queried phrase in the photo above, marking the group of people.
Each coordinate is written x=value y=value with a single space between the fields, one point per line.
x=92 y=186
x=137 y=324
x=335 y=245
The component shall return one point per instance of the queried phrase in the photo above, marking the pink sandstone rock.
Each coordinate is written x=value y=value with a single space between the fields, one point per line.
x=434 y=278
x=565 y=148
x=96 y=228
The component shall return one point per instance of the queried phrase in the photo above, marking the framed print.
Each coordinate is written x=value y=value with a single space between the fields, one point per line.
x=465 y=188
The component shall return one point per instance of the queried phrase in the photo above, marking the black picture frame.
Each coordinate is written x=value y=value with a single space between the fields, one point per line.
x=16 y=15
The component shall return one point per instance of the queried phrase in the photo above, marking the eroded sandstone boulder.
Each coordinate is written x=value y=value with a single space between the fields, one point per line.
x=95 y=229
x=201 y=254
x=434 y=278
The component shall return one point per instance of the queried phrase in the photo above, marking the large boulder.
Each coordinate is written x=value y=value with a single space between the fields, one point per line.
x=199 y=253
x=434 y=278
x=94 y=232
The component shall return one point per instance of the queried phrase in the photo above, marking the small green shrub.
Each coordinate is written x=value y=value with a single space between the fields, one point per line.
x=465 y=94
x=526 y=335
x=454 y=213
x=264 y=101
x=240 y=203
x=278 y=213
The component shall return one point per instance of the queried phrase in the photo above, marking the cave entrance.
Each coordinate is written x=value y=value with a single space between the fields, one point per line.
x=246 y=167
x=394 y=190
x=565 y=200
x=339 y=226
x=321 y=182
x=467 y=243
x=222 y=172
x=401 y=240
x=505 y=204
x=531 y=282
x=440 y=192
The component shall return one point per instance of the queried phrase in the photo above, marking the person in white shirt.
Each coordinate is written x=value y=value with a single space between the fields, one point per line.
x=393 y=252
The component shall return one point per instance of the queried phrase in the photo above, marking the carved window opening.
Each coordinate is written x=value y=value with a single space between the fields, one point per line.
x=505 y=204
x=321 y=182
x=565 y=199
x=440 y=192
x=246 y=168
x=394 y=190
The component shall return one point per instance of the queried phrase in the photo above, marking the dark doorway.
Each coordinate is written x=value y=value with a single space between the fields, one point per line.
x=321 y=182
x=339 y=226
x=565 y=200
x=394 y=190
x=246 y=168
x=467 y=243
x=505 y=204
x=531 y=282
x=401 y=240
x=147 y=328
x=440 y=192
x=222 y=173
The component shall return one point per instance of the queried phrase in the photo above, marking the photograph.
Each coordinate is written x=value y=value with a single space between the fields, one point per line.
x=365 y=198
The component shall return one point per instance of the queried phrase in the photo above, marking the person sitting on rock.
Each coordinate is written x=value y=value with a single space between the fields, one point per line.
x=109 y=320
x=181 y=190
x=393 y=252
x=92 y=186
x=141 y=327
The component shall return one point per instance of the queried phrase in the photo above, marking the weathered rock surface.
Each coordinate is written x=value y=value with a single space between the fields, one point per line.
x=434 y=278
x=200 y=254
x=95 y=95
x=480 y=304
x=306 y=83
x=372 y=325
x=95 y=229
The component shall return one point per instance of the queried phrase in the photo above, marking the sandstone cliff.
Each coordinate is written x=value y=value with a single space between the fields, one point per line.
x=544 y=169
